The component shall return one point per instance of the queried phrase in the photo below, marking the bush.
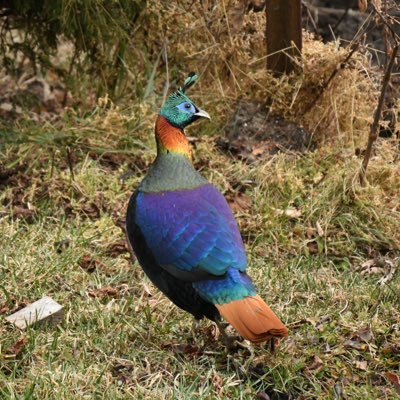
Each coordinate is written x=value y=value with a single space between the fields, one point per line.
x=98 y=29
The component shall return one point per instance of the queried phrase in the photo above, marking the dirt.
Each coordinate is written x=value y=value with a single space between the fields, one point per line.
x=252 y=132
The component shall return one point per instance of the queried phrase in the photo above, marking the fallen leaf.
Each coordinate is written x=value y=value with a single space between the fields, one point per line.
x=355 y=344
x=24 y=212
x=319 y=229
x=389 y=272
x=390 y=348
x=312 y=320
x=365 y=334
x=218 y=384
x=181 y=348
x=7 y=174
x=293 y=213
x=91 y=210
x=240 y=202
x=310 y=232
x=361 y=365
x=312 y=247
x=394 y=379
x=106 y=291
x=122 y=373
x=17 y=347
x=90 y=264
x=5 y=306
x=6 y=107
x=4 y=309
x=117 y=248
x=379 y=265
x=257 y=151
x=12 y=306
x=316 y=364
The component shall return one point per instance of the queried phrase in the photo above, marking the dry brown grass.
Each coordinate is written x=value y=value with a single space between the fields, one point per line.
x=229 y=53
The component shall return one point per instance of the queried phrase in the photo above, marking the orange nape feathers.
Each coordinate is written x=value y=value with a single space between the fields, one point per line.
x=171 y=138
x=253 y=319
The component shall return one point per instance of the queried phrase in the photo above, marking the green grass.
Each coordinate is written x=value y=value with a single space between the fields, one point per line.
x=131 y=342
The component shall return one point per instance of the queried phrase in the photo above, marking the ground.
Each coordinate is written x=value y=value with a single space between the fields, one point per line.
x=322 y=249
x=308 y=234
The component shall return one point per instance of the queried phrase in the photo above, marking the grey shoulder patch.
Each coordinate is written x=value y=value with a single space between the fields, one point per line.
x=171 y=172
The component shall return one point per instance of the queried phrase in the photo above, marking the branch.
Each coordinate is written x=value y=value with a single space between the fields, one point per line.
x=339 y=67
x=395 y=36
x=373 y=133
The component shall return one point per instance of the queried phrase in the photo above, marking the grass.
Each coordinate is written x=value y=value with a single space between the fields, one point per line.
x=122 y=339
x=309 y=229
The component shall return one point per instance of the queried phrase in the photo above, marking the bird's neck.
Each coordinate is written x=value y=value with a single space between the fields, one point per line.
x=171 y=139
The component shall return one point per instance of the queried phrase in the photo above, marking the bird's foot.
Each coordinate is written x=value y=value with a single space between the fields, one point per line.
x=195 y=327
x=196 y=331
x=232 y=342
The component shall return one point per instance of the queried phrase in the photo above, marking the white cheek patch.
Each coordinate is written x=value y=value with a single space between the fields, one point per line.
x=183 y=107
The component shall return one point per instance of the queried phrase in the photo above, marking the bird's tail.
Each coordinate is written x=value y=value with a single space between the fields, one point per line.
x=253 y=319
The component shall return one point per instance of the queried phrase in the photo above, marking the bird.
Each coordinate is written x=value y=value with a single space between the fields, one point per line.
x=185 y=236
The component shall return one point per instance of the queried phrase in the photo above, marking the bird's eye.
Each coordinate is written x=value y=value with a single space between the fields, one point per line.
x=187 y=107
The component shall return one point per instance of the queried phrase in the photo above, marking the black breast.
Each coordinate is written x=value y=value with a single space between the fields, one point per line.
x=179 y=292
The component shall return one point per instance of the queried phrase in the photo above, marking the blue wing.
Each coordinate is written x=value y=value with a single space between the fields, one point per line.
x=191 y=231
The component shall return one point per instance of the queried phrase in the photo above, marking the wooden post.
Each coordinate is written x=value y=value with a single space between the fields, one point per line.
x=283 y=34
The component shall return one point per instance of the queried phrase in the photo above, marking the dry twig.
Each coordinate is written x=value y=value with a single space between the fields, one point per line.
x=373 y=133
x=339 y=67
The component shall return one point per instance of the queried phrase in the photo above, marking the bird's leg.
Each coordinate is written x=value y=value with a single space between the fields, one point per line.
x=195 y=328
x=228 y=340
x=231 y=342
x=272 y=345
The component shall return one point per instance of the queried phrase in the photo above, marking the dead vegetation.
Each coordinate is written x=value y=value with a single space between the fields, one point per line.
x=323 y=250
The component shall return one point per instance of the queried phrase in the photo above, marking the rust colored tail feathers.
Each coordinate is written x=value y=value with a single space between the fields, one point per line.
x=253 y=319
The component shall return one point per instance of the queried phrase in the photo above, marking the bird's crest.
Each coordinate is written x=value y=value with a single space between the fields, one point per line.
x=189 y=81
x=179 y=94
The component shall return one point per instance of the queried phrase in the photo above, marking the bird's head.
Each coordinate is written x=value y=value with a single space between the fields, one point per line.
x=179 y=110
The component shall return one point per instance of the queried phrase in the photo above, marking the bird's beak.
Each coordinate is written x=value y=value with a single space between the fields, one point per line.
x=202 y=113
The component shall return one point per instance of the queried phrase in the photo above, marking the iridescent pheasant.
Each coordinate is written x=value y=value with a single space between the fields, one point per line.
x=185 y=236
